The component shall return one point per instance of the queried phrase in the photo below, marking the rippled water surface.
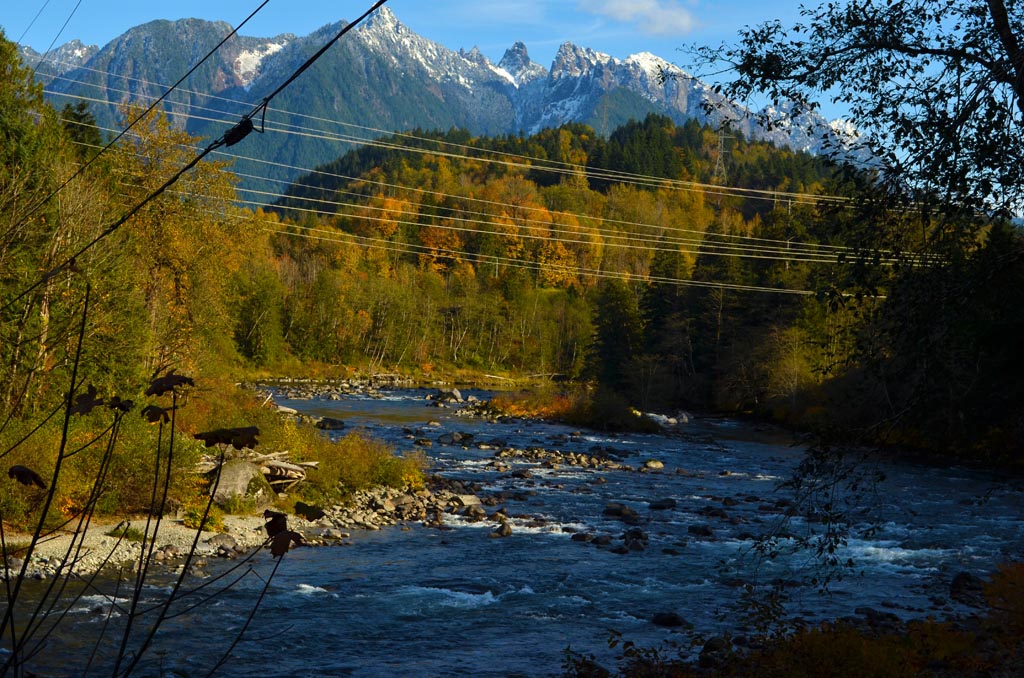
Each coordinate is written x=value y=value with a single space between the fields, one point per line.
x=456 y=602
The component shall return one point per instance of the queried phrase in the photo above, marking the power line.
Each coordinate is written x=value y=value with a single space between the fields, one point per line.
x=789 y=245
x=547 y=229
x=528 y=164
x=229 y=138
x=331 y=235
x=141 y=115
x=532 y=162
x=33 y=22
x=411 y=248
x=56 y=37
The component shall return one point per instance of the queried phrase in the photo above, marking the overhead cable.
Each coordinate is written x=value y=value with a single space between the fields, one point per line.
x=550 y=228
x=142 y=115
x=230 y=137
x=546 y=164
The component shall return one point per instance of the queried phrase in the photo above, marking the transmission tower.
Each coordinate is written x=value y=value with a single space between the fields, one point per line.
x=719 y=175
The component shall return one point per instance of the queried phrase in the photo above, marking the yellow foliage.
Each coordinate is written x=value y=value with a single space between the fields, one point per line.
x=357 y=461
x=1005 y=595
x=540 y=405
x=838 y=652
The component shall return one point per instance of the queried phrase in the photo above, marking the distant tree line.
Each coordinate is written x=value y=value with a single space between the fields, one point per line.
x=625 y=260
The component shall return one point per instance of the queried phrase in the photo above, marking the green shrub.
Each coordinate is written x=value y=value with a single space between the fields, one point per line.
x=193 y=518
x=358 y=461
x=608 y=411
x=14 y=548
x=237 y=504
x=128 y=533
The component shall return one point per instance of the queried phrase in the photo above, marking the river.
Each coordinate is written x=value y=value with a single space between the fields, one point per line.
x=414 y=601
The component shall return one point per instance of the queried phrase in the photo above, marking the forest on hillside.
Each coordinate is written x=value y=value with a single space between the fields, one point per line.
x=664 y=263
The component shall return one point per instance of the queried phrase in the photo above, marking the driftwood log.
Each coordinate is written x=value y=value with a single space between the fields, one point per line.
x=281 y=473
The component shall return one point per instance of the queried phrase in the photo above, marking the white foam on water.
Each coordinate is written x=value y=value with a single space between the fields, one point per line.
x=475 y=465
x=575 y=600
x=891 y=554
x=99 y=604
x=519 y=525
x=448 y=598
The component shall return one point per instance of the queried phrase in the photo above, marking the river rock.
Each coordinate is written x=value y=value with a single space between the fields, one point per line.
x=308 y=511
x=714 y=512
x=334 y=534
x=635 y=539
x=701 y=531
x=451 y=395
x=715 y=651
x=330 y=424
x=456 y=438
x=662 y=504
x=222 y=540
x=968 y=589
x=878 y=620
x=239 y=478
x=667 y=619
x=503 y=530
x=624 y=513
x=653 y=465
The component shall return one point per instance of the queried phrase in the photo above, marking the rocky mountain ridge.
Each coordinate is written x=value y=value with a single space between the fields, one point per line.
x=384 y=76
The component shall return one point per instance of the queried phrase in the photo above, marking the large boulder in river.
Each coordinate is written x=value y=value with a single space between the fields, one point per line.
x=968 y=589
x=451 y=395
x=667 y=619
x=502 y=530
x=704 y=531
x=330 y=424
x=635 y=539
x=624 y=513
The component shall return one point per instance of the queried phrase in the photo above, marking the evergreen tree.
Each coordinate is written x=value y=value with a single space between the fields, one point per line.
x=81 y=128
x=34 y=235
x=618 y=334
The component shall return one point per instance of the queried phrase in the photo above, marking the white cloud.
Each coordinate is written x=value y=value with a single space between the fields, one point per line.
x=654 y=17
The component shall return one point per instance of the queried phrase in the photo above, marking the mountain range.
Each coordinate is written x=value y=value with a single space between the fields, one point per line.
x=383 y=77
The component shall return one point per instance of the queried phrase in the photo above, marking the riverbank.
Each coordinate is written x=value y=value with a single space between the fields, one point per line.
x=372 y=509
x=98 y=547
x=543 y=535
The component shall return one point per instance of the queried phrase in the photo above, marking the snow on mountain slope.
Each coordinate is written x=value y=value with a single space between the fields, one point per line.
x=412 y=81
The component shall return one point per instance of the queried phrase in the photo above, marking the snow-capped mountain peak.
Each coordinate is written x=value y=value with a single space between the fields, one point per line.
x=521 y=69
x=654 y=66
x=67 y=57
x=572 y=61
x=385 y=75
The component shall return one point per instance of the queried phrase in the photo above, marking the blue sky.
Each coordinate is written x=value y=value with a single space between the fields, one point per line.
x=616 y=27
